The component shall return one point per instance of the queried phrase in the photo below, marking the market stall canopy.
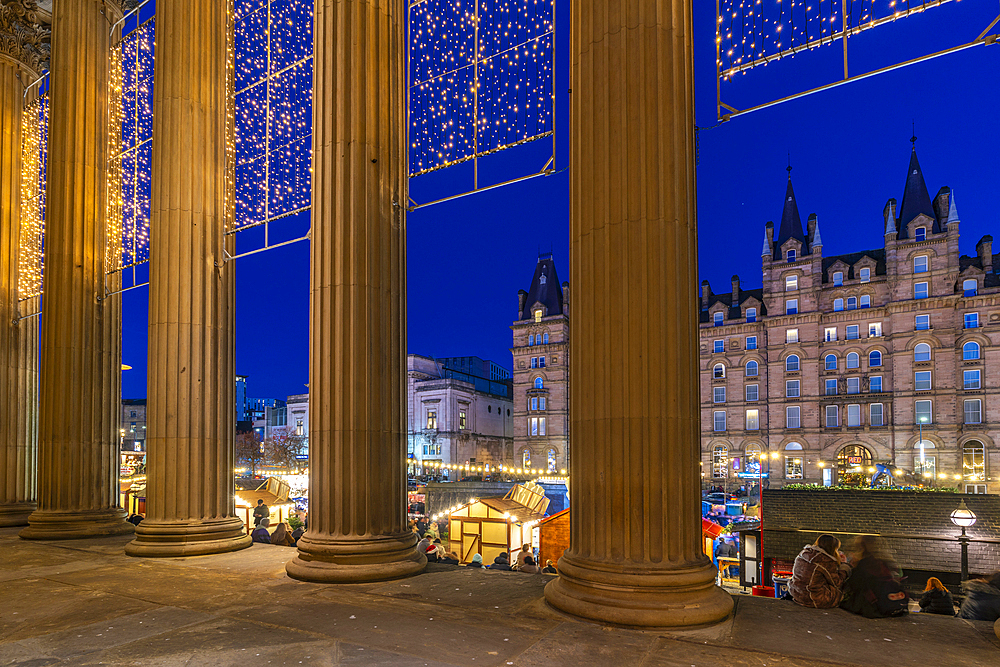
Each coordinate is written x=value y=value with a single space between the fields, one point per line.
x=272 y=491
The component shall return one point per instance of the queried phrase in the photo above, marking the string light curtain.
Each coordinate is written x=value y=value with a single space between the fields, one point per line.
x=751 y=33
x=273 y=109
x=480 y=78
x=34 y=160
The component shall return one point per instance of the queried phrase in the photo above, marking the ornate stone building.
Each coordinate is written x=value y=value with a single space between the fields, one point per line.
x=840 y=362
x=541 y=372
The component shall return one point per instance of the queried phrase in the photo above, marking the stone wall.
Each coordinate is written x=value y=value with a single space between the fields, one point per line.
x=916 y=525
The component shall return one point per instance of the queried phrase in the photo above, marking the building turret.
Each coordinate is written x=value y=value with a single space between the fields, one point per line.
x=815 y=240
x=889 y=215
x=791 y=223
x=916 y=200
x=768 y=249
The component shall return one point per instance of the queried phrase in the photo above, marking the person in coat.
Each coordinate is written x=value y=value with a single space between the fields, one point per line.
x=501 y=562
x=818 y=574
x=261 y=534
x=519 y=559
x=982 y=599
x=260 y=512
x=875 y=587
x=936 y=599
x=549 y=568
x=477 y=561
x=529 y=566
x=282 y=537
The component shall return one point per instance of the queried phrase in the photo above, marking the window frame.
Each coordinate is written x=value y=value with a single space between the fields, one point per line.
x=838 y=278
x=756 y=369
x=857 y=360
x=831 y=418
x=750 y=420
x=853 y=415
x=717 y=392
x=715 y=421
x=865 y=274
x=792 y=388
x=719 y=371
x=838 y=305
x=978 y=404
x=791 y=283
x=751 y=314
x=975 y=383
x=791 y=336
x=789 y=411
x=856 y=331
x=751 y=343
x=917 y=412
x=756 y=392
x=871 y=414
x=930 y=352
x=877 y=355
x=865 y=301
x=926 y=264
x=791 y=306
x=872 y=381
x=921 y=290
x=975 y=287
x=797 y=363
x=966 y=350
x=826 y=362
x=718 y=319
x=922 y=378
x=972 y=318
x=916 y=322
x=827 y=385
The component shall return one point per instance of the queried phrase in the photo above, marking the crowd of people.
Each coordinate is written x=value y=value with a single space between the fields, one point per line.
x=283 y=535
x=867 y=581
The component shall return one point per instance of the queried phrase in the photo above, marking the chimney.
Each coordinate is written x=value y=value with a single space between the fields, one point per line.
x=706 y=292
x=811 y=227
x=565 y=287
x=521 y=298
x=769 y=233
x=985 y=250
x=736 y=289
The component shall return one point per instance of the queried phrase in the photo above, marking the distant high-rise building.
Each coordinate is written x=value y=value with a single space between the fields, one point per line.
x=241 y=398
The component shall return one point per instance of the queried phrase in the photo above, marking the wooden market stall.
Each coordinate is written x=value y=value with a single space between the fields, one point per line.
x=273 y=491
x=491 y=526
x=551 y=536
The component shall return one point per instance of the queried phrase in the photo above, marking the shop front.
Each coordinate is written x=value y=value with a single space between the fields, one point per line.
x=853 y=466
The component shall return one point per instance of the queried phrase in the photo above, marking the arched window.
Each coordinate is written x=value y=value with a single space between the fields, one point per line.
x=751 y=371
x=970 y=351
x=720 y=461
x=866 y=301
x=874 y=359
x=526 y=458
x=838 y=304
x=792 y=362
x=751 y=459
x=852 y=303
x=718 y=371
x=831 y=362
x=552 y=460
x=974 y=461
x=853 y=360
x=969 y=287
x=922 y=352
x=539 y=383
x=853 y=462
x=793 y=445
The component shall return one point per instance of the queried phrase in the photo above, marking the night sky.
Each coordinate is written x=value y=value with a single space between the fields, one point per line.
x=849 y=149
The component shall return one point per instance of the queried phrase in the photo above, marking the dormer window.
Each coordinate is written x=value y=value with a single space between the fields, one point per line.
x=920 y=234
x=838 y=278
x=717 y=318
x=790 y=255
x=866 y=275
x=541 y=279
x=538 y=315
x=969 y=287
x=751 y=314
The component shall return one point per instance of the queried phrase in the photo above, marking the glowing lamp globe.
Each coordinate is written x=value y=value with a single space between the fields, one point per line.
x=963 y=516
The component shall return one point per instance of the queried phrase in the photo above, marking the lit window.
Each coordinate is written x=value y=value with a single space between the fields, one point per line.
x=791 y=306
x=830 y=334
x=922 y=412
x=719 y=420
x=432 y=419
x=752 y=392
x=838 y=278
x=866 y=275
x=922 y=381
x=538 y=315
x=462 y=420
x=792 y=388
x=751 y=371
x=718 y=394
x=790 y=255
x=875 y=330
x=922 y=352
x=971 y=380
x=853 y=385
x=720 y=461
x=552 y=460
x=831 y=387
x=973 y=411
x=969 y=287
x=830 y=362
x=866 y=301
x=853 y=360
x=852 y=303
x=832 y=416
x=539 y=384
x=541 y=426
x=922 y=322
x=752 y=459
x=751 y=314
x=718 y=371
x=875 y=417
x=920 y=291
x=974 y=462
x=920 y=264
x=299 y=427
x=793 y=467
x=838 y=304
x=718 y=346
x=874 y=359
x=970 y=351
x=875 y=384
x=791 y=283
x=753 y=420
x=792 y=363
x=791 y=335
x=751 y=342
x=854 y=415
x=853 y=332
x=792 y=417
x=526 y=459
x=972 y=320
x=920 y=233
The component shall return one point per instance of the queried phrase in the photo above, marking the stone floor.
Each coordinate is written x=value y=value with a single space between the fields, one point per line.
x=86 y=603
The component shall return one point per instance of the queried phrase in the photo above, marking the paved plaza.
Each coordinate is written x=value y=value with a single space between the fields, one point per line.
x=85 y=603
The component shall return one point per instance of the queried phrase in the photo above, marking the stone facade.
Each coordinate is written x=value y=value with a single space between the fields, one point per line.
x=541 y=373
x=840 y=362
x=133 y=432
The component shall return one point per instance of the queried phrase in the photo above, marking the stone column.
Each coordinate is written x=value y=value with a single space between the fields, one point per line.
x=635 y=554
x=80 y=380
x=23 y=47
x=357 y=329
x=191 y=405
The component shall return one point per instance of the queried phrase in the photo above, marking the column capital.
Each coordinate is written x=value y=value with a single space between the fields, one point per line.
x=25 y=34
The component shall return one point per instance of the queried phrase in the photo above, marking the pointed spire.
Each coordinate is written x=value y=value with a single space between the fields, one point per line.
x=791 y=224
x=952 y=209
x=817 y=240
x=766 y=250
x=916 y=199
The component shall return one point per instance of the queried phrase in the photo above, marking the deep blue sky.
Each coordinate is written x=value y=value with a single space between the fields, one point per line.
x=849 y=148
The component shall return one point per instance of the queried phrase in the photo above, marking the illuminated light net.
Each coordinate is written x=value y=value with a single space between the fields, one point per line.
x=273 y=109
x=751 y=33
x=34 y=161
x=480 y=78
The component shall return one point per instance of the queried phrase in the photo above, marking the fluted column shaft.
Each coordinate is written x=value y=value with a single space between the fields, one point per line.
x=191 y=397
x=357 y=333
x=635 y=553
x=18 y=337
x=80 y=380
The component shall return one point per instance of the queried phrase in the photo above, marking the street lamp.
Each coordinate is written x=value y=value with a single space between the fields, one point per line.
x=964 y=517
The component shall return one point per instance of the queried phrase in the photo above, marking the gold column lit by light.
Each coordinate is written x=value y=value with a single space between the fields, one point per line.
x=190 y=502
x=80 y=381
x=635 y=555
x=357 y=333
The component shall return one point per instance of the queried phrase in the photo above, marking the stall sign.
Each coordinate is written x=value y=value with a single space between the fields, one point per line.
x=855 y=460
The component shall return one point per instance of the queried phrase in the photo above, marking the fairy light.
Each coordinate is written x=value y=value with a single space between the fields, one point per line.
x=34 y=162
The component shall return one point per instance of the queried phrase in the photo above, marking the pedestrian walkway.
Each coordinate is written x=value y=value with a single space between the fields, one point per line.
x=86 y=603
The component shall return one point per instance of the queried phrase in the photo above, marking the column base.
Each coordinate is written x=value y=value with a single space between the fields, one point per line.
x=16 y=514
x=76 y=524
x=607 y=593
x=351 y=560
x=166 y=539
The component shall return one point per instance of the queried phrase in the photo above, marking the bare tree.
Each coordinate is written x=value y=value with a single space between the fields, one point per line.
x=282 y=449
x=249 y=451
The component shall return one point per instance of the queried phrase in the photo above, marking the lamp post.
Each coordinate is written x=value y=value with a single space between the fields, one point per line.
x=964 y=517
